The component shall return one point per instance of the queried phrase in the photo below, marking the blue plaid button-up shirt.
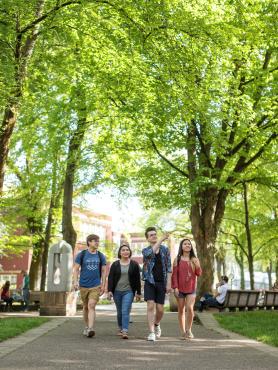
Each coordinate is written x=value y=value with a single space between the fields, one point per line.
x=149 y=261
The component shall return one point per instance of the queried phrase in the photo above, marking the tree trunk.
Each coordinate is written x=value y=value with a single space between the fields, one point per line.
x=269 y=272
x=35 y=268
x=69 y=234
x=239 y=257
x=248 y=237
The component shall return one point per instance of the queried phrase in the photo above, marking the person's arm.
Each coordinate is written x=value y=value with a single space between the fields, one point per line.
x=174 y=280
x=138 y=281
x=219 y=291
x=169 y=271
x=103 y=279
x=76 y=268
x=110 y=280
x=196 y=262
x=157 y=245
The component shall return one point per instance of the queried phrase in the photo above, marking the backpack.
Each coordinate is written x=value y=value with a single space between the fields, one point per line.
x=99 y=256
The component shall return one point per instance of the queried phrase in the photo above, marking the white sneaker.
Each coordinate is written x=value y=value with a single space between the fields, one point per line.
x=189 y=335
x=157 y=331
x=151 y=337
x=85 y=331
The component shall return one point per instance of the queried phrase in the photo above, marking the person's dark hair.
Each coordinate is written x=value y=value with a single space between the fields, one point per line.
x=7 y=284
x=148 y=229
x=180 y=252
x=225 y=278
x=124 y=245
x=92 y=237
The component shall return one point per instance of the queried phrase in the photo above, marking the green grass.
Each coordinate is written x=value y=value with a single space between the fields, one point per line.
x=258 y=325
x=13 y=326
x=105 y=301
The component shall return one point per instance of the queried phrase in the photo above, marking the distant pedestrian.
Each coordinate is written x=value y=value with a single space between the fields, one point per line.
x=186 y=268
x=157 y=277
x=91 y=264
x=25 y=289
x=5 y=295
x=124 y=282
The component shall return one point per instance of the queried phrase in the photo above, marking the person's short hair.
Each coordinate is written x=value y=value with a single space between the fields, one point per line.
x=124 y=245
x=225 y=278
x=92 y=237
x=148 y=229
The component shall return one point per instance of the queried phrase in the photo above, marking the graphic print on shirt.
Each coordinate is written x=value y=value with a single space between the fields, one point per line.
x=92 y=264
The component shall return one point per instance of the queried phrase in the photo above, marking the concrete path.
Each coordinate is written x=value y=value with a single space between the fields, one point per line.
x=64 y=347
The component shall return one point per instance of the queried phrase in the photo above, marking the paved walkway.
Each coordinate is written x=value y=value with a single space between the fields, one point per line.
x=60 y=345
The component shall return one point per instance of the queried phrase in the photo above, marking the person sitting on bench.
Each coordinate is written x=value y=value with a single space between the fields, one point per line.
x=219 y=298
x=5 y=295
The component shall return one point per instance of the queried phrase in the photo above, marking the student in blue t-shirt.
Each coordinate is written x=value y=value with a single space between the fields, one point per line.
x=92 y=267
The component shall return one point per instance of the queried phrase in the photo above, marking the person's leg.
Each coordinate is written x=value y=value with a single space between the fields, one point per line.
x=190 y=300
x=91 y=313
x=26 y=295
x=149 y=297
x=150 y=315
x=84 y=294
x=118 y=298
x=160 y=292
x=211 y=302
x=93 y=299
x=181 y=314
x=126 y=307
x=159 y=311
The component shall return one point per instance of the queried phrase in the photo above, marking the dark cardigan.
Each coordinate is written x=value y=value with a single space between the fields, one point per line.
x=133 y=276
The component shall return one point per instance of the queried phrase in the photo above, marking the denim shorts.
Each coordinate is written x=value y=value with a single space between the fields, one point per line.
x=183 y=295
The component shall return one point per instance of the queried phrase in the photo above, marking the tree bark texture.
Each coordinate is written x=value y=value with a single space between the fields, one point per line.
x=69 y=234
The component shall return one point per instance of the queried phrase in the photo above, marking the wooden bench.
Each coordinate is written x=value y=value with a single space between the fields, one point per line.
x=241 y=300
x=270 y=299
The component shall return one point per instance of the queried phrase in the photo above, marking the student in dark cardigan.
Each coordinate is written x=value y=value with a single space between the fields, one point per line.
x=124 y=282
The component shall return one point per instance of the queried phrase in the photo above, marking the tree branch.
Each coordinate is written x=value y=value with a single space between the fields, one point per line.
x=46 y=15
x=168 y=161
x=237 y=240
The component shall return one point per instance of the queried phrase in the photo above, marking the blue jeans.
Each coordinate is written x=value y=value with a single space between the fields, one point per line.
x=123 y=301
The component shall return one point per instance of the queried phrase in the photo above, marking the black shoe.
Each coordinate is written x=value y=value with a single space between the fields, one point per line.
x=91 y=333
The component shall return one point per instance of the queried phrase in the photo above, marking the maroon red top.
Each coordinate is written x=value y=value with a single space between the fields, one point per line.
x=184 y=277
x=5 y=293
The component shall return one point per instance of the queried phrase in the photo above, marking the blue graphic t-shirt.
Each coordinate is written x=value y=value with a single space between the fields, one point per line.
x=90 y=274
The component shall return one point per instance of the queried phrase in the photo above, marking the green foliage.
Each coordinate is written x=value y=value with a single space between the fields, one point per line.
x=180 y=101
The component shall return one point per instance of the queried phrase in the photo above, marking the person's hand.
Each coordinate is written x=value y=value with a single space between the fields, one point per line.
x=164 y=237
x=196 y=262
x=109 y=295
x=101 y=291
x=137 y=298
x=176 y=292
x=168 y=288
x=75 y=285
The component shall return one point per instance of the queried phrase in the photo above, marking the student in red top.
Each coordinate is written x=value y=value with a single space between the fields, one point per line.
x=185 y=270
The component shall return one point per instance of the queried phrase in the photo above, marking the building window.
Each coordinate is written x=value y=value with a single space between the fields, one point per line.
x=11 y=278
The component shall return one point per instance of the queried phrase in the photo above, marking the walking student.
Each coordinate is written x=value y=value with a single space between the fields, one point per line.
x=91 y=264
x=25 y=289
x=157 y=277
x=186 y=268
x=124 y=282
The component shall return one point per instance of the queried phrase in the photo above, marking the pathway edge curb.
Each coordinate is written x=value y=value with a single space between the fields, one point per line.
x=12 y=344
x=209 y=322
